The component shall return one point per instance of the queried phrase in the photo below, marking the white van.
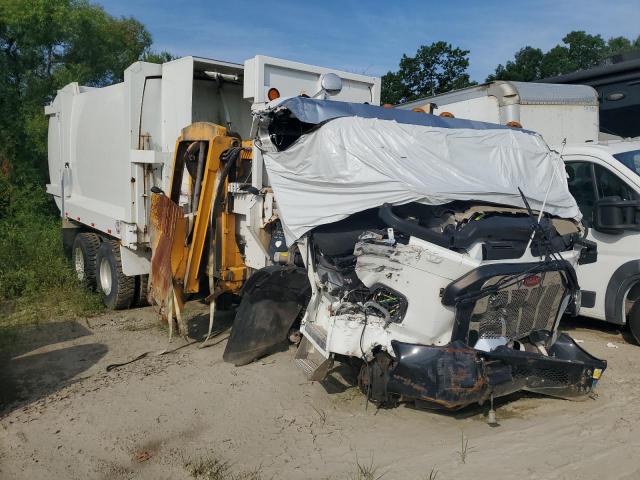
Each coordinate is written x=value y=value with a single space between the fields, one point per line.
x=603 y=176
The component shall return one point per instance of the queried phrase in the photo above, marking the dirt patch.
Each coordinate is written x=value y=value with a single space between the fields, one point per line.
x=189 y=415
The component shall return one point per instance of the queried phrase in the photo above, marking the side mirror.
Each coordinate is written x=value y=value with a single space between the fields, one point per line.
x=614 y=216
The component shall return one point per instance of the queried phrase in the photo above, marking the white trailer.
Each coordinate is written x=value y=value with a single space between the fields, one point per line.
x=603 y=176
x=109 y=146
x=557 y=111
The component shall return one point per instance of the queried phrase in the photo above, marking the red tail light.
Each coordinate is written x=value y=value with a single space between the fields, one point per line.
x=531 y=281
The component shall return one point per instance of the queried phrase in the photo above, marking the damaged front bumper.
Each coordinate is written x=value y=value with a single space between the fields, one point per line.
x=456 y=375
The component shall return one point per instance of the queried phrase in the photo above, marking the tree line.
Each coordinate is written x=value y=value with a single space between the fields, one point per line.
x=45 y=44
x=440 y=67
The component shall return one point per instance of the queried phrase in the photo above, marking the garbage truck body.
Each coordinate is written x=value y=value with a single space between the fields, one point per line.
x=109 y=146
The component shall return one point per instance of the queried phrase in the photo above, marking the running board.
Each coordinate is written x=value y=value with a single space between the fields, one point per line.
x=314 y=365
x=317 y=335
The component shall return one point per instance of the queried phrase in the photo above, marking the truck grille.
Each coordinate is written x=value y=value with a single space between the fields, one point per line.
x=516 y=311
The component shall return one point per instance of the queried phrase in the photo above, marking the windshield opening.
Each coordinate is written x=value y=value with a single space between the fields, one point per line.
x=630 y=160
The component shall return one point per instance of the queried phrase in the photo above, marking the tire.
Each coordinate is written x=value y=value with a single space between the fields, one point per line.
x=83 y=257
x=633 y=312
x=117 y=288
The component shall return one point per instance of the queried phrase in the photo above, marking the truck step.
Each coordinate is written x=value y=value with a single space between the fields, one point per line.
x=314 y=365
x=317 y=334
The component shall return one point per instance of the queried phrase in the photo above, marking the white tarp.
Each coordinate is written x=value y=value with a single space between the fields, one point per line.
x=352 y=164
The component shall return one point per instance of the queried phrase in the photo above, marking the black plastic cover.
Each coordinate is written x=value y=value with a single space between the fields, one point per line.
x=272 y=300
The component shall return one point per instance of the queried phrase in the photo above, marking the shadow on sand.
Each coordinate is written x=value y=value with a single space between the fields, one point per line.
x=26 y=377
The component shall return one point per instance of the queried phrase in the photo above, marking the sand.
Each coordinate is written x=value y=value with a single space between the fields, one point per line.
x=65 y=417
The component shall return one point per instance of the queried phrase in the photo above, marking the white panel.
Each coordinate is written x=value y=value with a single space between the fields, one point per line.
x=137 y=88
x=294 y=78
x=483 y=109
x=100 y=169
x=213 y=102
x=135 y=262
x=576 y=123
x=148 y=156
x=177 y=86
x=147 y=126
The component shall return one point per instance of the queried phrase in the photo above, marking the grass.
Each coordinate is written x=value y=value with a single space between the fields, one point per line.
x=37 y=283
x=366 y=471
x=464 y=448
x=211 y=467
x=433 y=474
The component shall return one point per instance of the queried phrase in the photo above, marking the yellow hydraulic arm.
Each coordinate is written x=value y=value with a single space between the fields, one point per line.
x=195 y=217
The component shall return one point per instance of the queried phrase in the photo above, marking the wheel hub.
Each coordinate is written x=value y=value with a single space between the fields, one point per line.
x=78 y=262
x=105 y=276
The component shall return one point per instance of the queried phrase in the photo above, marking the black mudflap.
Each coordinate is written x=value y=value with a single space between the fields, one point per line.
x=272 y=299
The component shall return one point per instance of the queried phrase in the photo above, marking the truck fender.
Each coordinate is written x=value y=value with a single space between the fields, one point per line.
x=272 y=300
x=619 y=283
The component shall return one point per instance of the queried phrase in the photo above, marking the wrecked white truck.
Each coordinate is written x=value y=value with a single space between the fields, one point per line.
x=436 y=255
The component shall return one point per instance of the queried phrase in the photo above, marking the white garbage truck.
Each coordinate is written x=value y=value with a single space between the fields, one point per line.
x=436 y=256
x=109 y=146
x=603 y=174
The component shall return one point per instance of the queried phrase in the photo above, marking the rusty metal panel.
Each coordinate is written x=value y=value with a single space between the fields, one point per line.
x=165 y=215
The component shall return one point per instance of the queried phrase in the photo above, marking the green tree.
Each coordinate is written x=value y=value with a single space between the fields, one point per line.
x=556 y=62
x=434 y=69
x=584 y=50
x=618 y=45
x=45 y=44
x=578 y=51
x=525 y=66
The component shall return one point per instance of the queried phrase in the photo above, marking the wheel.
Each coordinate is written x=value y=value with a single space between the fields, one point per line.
x=83 y=257
x=118 y=289
x=633 y=312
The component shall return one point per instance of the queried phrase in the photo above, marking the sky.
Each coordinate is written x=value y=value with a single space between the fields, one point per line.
x=370 y=37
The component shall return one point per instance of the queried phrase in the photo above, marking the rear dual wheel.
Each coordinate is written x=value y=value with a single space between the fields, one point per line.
x=118 y=289
x=98 y=265
x=83 y=257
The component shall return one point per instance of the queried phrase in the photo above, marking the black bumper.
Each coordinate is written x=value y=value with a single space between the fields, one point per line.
x=456 y=375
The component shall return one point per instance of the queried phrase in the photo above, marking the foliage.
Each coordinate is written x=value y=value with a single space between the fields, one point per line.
x=434 y=69
x=45 y=44
x=578 y=51
x=35 y=279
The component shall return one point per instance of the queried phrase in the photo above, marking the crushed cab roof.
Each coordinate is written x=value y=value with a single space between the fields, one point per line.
x=361 y=156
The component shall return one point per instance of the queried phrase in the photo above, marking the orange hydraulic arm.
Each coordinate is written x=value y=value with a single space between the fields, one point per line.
x=206 y=158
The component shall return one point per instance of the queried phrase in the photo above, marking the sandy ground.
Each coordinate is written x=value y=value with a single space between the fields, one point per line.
x=65 y=416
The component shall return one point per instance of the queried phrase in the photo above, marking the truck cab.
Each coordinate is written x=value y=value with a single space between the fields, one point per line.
x=604 y=179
